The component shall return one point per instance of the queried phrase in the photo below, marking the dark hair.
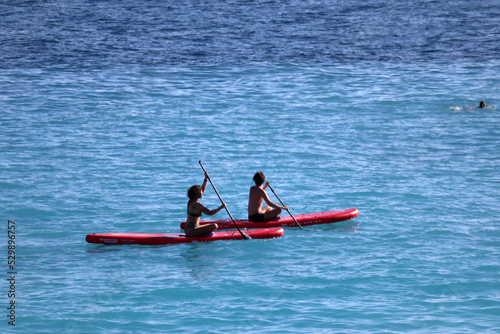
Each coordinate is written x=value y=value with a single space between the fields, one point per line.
x=194 y=192
x=259 y=178
x=482 y=104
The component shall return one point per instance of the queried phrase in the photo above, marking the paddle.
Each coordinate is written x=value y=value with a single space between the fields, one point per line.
x=295 y=220
x=246 y=237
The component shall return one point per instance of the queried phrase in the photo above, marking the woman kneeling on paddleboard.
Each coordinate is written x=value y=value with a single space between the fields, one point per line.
x=195 y=209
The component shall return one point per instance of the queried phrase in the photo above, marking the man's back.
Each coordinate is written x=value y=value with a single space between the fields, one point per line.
x=255 y=200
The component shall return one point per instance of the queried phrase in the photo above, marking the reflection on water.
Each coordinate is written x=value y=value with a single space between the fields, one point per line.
x=198 y=265
x=106 y=248
x=345 y=226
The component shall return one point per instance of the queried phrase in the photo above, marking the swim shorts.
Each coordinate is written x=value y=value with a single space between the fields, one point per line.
x=256 y=218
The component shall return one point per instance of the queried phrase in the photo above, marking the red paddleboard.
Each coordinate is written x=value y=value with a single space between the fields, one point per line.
x=176 y=238
x=287 y=221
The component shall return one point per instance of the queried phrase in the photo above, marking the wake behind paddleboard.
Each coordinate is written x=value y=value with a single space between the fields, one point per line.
x=177 y=238
x=287 y=221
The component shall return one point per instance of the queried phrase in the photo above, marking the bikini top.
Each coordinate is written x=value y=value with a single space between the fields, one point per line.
x=191 y=213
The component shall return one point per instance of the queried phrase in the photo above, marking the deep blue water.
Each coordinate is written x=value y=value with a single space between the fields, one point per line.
x=39 y=33
x=106 y=109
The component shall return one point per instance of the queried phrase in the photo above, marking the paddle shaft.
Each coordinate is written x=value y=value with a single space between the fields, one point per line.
x=246 y=237
x=295 y=220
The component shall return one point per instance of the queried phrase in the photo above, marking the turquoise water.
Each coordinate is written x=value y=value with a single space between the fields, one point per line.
x=88 y=149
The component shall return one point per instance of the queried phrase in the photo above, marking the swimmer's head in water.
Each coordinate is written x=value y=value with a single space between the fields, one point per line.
x=482 y=104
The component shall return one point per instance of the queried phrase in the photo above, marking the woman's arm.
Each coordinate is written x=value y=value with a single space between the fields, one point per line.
x=204 y=185
x=208 y=212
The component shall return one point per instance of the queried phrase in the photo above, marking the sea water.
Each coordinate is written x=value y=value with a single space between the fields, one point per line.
x=106 y=109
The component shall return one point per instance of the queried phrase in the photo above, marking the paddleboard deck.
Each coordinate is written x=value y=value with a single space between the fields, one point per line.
x=176 y=238
x=326 y=217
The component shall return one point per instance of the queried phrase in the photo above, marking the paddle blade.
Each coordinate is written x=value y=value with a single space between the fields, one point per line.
x=246 y=237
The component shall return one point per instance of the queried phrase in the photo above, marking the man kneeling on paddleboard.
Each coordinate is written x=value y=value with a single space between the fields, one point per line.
x=257 y=213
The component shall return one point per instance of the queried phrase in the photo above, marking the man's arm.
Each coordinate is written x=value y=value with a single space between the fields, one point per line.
x=268 y=201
